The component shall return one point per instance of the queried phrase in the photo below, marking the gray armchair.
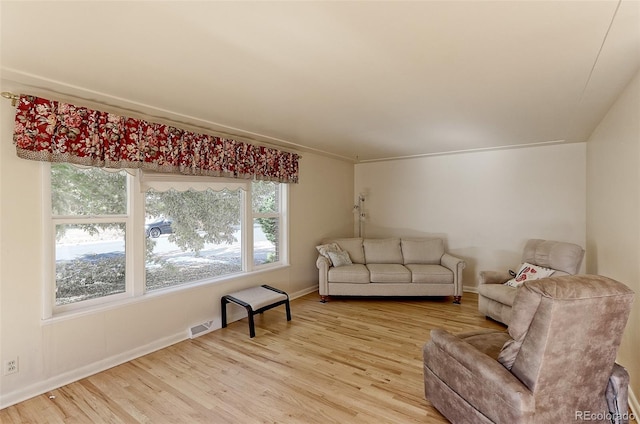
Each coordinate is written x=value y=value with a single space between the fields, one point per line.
x=495 y=299
x=556 y=364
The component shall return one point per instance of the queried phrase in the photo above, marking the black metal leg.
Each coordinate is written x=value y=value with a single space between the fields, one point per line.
x=286 y=305
x=252 y=328
x=223 y=306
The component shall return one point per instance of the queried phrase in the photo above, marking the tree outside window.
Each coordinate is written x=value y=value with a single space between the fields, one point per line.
x=191 y=235
x=265 y=197
x=203 y=241
x=89 y=211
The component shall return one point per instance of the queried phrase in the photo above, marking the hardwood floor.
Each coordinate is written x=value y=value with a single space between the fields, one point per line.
x=351 y=360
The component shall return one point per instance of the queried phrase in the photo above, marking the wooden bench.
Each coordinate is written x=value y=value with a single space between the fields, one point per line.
x=255 y=300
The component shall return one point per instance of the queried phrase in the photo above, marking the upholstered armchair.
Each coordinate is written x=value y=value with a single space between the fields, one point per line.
x=495 y=299
x=554 y=365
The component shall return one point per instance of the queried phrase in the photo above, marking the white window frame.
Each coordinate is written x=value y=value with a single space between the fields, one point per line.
x=137 y=184
x=50 y=308
x=283 y=203
x=164 y=182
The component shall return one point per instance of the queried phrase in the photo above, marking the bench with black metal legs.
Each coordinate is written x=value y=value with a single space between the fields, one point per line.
x=255 y=300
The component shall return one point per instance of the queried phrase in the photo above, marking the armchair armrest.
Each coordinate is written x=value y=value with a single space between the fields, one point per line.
x=494 y=277
x=479 y=379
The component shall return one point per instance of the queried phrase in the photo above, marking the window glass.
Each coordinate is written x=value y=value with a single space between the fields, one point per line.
x=89 y=214
x=265 y=196
x=87 y=191
x=90 y=261
x=265 y=199
x=266 y=232
x=192 y=235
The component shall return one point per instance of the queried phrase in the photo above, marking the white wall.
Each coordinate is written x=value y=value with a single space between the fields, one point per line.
x=320 y=207
x=613 y=212
x=55 y=352
x=484 y=204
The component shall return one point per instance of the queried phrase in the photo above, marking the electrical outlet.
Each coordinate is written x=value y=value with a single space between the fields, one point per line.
x=11 y=366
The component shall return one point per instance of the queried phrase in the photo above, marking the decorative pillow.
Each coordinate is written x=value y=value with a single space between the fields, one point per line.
x=528 y=272
x=324 y=249
x=354 y=246
x=340 y=258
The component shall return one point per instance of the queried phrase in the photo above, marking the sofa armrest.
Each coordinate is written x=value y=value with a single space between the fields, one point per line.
x=323 y=265
x=322 y=262
x=494 y=277
x=456 y=265
x=481 y=380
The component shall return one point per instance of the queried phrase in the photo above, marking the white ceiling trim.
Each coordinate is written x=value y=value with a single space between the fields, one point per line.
x=455 y=152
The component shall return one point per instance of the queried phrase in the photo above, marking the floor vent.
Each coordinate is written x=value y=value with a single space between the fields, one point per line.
x=200 y=329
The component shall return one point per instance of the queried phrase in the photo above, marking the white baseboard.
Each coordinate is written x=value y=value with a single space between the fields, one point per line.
x=470 y=289
x=634 y=405
x=11 y=398
x=303 y=292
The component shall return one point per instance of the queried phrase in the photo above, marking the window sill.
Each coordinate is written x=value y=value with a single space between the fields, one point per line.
x=107 y=306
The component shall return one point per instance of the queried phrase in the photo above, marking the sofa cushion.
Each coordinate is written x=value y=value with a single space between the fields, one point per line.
x=356 y=273
x=389 y=273
x=489 y=342
x=382 y=251
x=354 y=247
x=430 y=274
x=422 y=251
x=498 y=292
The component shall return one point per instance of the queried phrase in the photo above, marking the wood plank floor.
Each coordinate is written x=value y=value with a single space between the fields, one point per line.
x=351 y=360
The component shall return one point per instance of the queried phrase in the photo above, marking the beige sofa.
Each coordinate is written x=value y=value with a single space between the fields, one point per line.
x=391 y=267
x=495 y=299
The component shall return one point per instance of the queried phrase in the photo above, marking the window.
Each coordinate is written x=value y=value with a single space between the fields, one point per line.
x=192 y=235
x=89 y=211
x=266 y=209
x=186 y=229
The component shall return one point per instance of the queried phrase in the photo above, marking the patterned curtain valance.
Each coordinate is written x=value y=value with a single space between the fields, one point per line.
x=52 y=131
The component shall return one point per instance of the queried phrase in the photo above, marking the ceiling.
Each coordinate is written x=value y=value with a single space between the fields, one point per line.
x=363 y=81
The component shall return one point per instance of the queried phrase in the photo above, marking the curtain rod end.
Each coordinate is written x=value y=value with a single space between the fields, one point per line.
x=13 y=97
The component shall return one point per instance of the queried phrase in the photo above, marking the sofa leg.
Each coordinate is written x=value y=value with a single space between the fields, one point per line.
x=324 y=298
x=457 y=299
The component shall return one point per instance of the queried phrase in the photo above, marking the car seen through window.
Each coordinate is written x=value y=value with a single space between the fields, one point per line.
x=158 y=227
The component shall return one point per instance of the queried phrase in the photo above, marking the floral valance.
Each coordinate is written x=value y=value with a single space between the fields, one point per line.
x=52 y=131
